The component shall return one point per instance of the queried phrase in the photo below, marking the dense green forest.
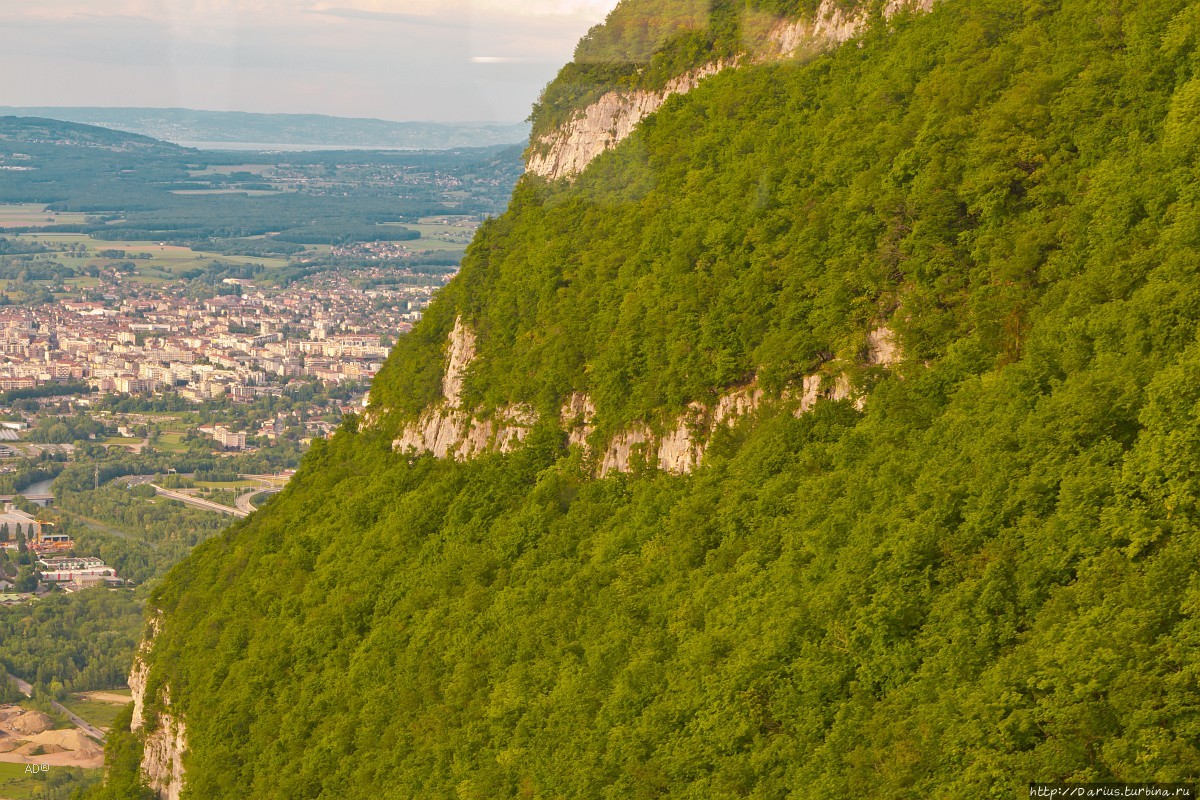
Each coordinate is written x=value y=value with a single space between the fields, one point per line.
x=72 y=643
x=984 y=576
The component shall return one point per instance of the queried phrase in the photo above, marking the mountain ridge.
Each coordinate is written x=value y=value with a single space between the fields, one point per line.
x=980 y=576
x=183 y=125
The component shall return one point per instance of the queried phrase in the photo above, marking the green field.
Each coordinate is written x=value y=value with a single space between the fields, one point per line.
x=33 y=215
x=165 y=261
x=247 y=192
x=16 y=784
x=170 y=443
x=95 y=712
x=125 y=441
x=227 y=484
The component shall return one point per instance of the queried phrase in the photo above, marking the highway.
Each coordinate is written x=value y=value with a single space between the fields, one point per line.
x=244 y=507
x=89 y=729
x=243 y=501
x=198 y=502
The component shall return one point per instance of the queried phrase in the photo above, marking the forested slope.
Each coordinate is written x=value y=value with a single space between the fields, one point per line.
x=974 y=571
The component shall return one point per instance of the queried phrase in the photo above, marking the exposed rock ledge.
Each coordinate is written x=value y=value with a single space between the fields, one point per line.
x=165 y=739
x=603 y=124
x=681 y=449
x=565 y=152
x=448 y=431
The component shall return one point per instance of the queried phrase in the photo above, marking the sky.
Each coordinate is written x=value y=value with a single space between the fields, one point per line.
x=462 y=60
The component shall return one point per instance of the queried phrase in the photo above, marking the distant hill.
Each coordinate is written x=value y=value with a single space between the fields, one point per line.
x=38 y=130
x=188 y=126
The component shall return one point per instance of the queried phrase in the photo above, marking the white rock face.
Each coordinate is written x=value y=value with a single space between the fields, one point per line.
x=830 y=27
x=162 y=754
x=600 y=126
x=678 y=453
x=578 y=415
x=882 y=348
x=438 y=430
x=446 y=430
x=738 y=403
x=139 y=673
x=565 y=152
x=462 y=353
x=516 y=421
x=619 y=455
x=166 y=739
x=896 y=6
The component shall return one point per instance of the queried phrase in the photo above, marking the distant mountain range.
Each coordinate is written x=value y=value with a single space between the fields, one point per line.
x=215 y=128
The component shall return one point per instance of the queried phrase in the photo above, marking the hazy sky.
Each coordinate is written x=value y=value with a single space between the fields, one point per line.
x=392 y=59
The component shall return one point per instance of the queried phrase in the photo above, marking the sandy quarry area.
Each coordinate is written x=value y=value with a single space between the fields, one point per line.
x=107 y=697
x=28 y=737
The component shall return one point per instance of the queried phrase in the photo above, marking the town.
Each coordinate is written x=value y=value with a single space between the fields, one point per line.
x=245 y=342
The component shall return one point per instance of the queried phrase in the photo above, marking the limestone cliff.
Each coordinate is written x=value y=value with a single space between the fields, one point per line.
x=566 y=151
x=602 y=125
x=446 y=430
x=164 y=735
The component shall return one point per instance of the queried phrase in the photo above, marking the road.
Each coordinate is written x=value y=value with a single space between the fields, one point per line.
x=243 y=501
x=244 y=507
x=198 y=502
x=91 y=730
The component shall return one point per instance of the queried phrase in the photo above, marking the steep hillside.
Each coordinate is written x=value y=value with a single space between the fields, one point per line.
x=835 y=434
x=646 y=52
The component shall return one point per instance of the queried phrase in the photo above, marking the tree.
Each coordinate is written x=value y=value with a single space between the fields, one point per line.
x=27 y=579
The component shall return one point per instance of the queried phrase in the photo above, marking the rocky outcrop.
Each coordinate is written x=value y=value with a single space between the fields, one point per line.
x=164 y=739
x=738 y=403
x=882 y=349
x=829 y=27
x=438 y=430
x=578 y=418
x=446 y=430
x=917 y=6
x=600 y=126
x=162 y=752
x=620 y=454
x=461 y=354
x=680 y=450
x=565 y=152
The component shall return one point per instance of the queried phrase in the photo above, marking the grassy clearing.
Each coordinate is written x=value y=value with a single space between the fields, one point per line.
x=33 y=215
x=95 y=712
x=166 y=260
x=122 y=440
x=230 y=169
x=227 y=484
x=16 y=784
x=247 y=192
x=170 y=443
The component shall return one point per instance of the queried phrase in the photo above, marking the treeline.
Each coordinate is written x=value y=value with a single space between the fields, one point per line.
x=72 y=643
x=45 y=390
x=28 y=472
x=427 y=264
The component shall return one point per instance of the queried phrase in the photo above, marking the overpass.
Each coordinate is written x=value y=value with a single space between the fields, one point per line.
x=199 y=502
